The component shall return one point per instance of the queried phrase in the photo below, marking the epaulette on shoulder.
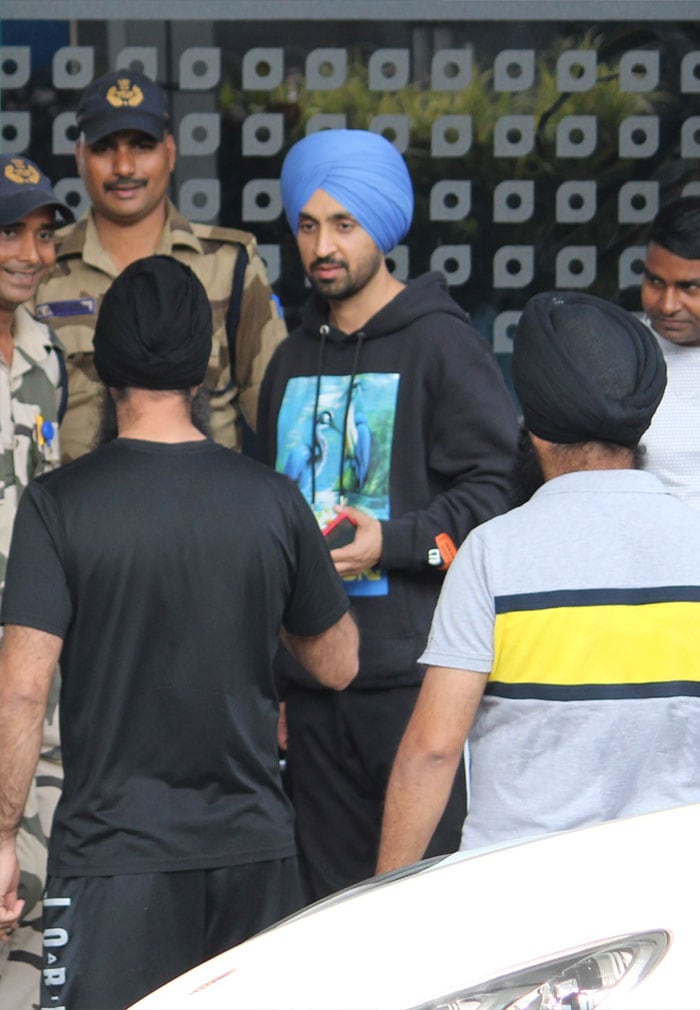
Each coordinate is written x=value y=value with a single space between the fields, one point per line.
x=233 y=236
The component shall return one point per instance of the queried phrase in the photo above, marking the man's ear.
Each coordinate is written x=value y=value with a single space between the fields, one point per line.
x=171 y=148
x=79 y=159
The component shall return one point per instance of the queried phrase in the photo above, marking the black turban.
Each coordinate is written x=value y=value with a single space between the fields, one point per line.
x=586 y=370
x=154 y=327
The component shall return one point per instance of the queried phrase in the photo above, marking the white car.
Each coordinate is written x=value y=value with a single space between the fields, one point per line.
x=606 y=916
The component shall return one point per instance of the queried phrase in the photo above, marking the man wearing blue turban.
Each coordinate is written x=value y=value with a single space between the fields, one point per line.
x=389 y=411
x=362 y=171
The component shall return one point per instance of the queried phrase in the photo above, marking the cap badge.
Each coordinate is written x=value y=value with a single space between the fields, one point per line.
x=123 y=93
x=20 y=171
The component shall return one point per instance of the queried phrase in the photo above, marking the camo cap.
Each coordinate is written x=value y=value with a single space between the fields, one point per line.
x=122 y=100
x=24 y=188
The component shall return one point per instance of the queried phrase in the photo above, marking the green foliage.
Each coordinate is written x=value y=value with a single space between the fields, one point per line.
x=423 y=107
x=547 y=105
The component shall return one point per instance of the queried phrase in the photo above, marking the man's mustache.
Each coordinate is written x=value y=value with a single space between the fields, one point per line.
x=327 y=261
x=125 y=183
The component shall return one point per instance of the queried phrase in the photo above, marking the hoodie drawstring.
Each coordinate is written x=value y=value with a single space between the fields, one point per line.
x=315 y=447
x=317 y=399
x=348 y=402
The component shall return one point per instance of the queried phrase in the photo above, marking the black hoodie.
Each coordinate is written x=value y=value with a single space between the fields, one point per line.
x=408 y=419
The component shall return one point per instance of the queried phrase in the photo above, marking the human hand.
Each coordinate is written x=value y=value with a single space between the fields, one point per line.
x=10 y=905
x=365 y=550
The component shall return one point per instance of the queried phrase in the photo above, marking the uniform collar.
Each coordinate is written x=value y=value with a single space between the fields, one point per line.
x=603 y=482
x=178 y=231
x=81 y=239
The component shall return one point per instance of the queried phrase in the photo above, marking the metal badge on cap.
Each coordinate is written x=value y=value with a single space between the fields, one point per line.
x=124 y=93
x=22 y=172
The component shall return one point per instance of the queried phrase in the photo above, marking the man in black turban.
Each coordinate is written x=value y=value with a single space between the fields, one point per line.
x=154 y=327
x=585 y=371
x=159 y=569
x=564 y=645
x=154 y=331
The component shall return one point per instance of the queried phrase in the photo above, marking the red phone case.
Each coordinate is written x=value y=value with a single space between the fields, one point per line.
x=340 y=531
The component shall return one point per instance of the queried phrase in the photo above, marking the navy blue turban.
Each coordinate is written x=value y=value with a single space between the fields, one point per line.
x=585 y=370
x=363 y=171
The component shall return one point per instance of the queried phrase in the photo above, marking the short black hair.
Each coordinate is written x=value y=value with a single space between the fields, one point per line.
x=676 y=228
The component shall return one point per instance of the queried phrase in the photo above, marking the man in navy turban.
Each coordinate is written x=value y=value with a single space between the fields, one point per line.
x=389 y=412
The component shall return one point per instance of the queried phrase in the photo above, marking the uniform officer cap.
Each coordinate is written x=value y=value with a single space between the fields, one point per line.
x=122 y=100
x=24 y=188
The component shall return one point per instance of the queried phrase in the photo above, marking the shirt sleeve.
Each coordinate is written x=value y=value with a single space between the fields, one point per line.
x=318 y=599
x=36 y=589
x=261 y=328
x=462 y=631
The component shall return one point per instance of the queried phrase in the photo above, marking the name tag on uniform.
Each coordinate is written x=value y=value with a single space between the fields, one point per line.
x=71 y=307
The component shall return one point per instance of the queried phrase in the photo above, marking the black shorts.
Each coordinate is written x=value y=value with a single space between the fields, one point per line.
x=108 y=941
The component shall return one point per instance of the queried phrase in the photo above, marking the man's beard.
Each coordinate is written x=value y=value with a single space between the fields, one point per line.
x=350 y=282
x=108 y=428
x=526 y=476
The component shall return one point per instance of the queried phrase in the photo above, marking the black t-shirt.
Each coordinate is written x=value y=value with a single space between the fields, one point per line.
x=168 y=570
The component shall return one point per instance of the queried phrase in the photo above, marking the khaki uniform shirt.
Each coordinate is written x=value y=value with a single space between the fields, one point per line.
x=29 y=396
x=69 y=299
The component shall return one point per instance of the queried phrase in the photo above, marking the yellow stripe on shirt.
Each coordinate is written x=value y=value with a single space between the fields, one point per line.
x=599 y=644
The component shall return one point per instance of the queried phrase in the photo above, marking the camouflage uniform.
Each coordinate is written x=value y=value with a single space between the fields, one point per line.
x=70 y=296
x=29 y=390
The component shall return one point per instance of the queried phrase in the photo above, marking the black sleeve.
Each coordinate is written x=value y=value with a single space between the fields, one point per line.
x=472 y=444
x=318 y=599
x=36 y=589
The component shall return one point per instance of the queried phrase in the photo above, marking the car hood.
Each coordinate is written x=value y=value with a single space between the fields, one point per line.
x=404 y=940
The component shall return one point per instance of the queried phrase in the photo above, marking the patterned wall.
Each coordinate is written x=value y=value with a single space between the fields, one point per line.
x=539 y=152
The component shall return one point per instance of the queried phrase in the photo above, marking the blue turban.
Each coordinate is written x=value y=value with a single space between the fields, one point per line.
x=363 y=171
